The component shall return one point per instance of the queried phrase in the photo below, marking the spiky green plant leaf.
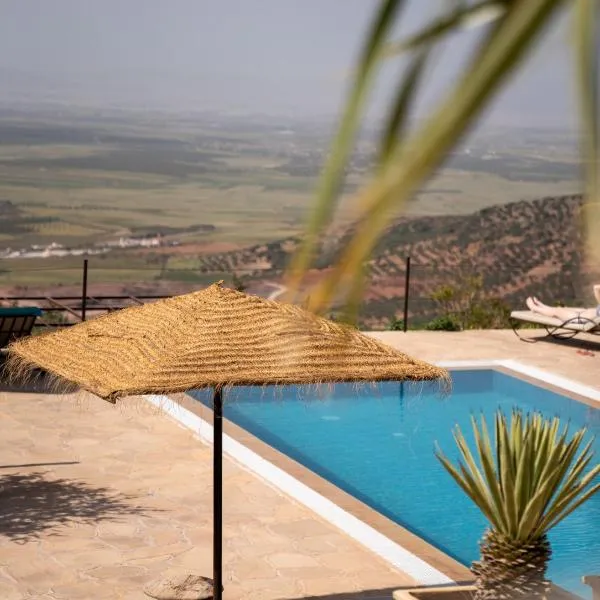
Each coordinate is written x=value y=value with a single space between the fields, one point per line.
x=534 y=477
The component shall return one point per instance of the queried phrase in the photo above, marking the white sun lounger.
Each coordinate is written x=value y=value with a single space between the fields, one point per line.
x=555 y=327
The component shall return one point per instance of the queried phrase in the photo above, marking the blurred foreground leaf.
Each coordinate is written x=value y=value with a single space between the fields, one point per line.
x=407 y=161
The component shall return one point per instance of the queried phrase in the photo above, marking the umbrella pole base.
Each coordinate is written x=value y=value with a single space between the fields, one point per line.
x=180 y=586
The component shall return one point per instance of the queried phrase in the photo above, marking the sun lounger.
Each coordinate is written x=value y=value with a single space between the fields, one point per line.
x=555 y=327
x=17 y=322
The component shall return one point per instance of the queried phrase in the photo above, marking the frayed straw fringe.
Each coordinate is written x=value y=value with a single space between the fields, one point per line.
x=19 y=371
x=316 y=392
x=214 y=337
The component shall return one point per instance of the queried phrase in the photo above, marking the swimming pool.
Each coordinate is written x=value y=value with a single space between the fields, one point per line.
x=376 y=443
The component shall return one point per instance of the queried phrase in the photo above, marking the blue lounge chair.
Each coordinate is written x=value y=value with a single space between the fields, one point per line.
x=17 y=322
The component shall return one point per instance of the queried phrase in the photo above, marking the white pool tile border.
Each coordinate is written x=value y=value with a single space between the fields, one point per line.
x=406 y=561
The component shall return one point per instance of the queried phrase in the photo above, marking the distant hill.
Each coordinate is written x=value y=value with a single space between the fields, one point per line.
x=518 y=249
x=529 y=247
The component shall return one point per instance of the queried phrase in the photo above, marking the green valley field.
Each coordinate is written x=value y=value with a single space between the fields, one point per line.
x=211 y=184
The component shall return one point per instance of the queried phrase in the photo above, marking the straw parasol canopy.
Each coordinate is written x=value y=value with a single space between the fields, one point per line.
x=215 y=337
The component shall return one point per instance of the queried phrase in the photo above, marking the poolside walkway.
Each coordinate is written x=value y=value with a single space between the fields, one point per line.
x=560 y=358
x=96 y=500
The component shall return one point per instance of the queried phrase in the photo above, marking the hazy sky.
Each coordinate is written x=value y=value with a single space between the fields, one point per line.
x=269 y=56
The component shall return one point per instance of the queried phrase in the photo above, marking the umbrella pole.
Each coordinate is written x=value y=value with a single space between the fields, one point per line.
x=217 y=493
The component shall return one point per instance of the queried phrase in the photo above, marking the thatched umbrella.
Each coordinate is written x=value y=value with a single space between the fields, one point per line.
x=213 y=338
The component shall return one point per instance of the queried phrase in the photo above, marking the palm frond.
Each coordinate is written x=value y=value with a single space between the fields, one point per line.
x=586 y=36
x=486 y=458
x=333 y=172
x=402 y=104
x=416 y=158
x=462 y=15
x=467 y=483
x=532 y=480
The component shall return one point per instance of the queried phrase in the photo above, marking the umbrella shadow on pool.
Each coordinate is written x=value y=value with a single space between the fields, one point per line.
x=31 y=505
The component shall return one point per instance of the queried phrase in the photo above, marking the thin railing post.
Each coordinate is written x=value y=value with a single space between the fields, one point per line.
x=84 y=289
x=217 y=493
x=406 y=293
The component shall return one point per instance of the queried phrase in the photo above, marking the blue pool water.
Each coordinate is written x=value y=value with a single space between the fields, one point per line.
x=377 y=443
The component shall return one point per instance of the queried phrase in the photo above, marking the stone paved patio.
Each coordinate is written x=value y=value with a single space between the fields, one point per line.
x=96 y=499
x=122 y=494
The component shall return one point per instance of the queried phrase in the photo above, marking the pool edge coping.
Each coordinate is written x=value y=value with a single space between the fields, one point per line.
x=368 y=536
x=556 y=383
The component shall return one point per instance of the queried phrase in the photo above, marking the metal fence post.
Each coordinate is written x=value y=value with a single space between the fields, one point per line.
x=84 y=289
x=406 y=292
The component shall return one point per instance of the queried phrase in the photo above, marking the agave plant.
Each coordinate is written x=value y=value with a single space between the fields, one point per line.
x=410 y=152
x=528 y=482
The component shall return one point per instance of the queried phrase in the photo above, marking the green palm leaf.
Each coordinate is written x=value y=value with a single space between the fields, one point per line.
x=532 y=480
x=585 y=37
x=406 y=162
x=334 y=169
x=484 y=448
x=462 y=15
x=417 y=157
x=467 y=483
x=402 y=104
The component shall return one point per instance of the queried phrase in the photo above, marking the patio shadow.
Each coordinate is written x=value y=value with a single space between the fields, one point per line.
x=556 y=592
x=376 y=594
x=577 y=343
x=47 y=464
x=31 y=505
